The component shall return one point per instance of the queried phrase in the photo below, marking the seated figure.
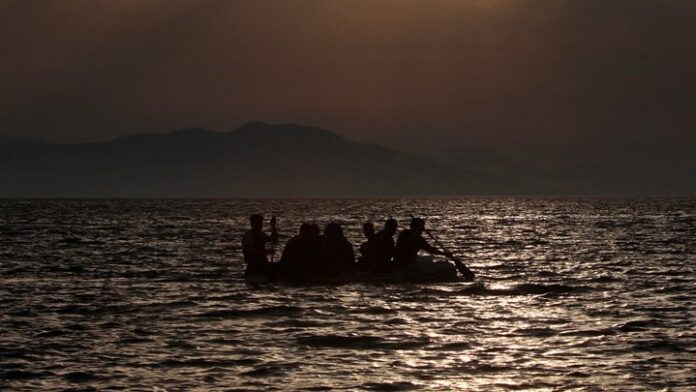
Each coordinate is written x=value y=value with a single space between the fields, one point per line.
x=301 y=253
x=336 y=252
x=368 y=249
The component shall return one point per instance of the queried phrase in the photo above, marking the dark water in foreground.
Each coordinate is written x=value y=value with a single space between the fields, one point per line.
x=148 y=294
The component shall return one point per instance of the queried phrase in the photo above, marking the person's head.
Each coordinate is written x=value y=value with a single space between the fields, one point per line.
x=256 y=221
x=390 y=227
x=368 y=230
x=305 y=229
x=417 y=225
x=333 y=230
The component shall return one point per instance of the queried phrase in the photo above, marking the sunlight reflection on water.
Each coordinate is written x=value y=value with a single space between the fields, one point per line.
x=581 y=294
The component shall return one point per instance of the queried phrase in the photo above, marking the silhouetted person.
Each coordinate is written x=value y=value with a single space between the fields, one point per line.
x=336 y=252
x=410 y=242
x=292 y=252
x=384 y=245
x=368 y=249
x=302 y=251
x=314 y=230
x=315 y=235
x=254 y=246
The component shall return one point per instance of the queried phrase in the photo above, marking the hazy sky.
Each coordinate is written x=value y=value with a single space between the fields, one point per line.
x=515 y=75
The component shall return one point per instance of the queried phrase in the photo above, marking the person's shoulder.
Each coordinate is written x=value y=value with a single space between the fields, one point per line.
x=405 y=233
x=248 y=237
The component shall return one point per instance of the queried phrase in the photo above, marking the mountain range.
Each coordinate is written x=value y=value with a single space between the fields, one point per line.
x=256 y=159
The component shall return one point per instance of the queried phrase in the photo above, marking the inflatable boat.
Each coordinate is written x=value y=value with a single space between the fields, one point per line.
x=423 y=270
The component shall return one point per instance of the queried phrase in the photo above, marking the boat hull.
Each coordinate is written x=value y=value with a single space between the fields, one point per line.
x=424 y=270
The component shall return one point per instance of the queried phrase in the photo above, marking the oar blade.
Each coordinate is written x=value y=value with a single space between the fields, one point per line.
x=463 y=269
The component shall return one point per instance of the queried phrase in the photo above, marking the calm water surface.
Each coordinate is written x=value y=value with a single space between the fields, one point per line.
x=149 y=295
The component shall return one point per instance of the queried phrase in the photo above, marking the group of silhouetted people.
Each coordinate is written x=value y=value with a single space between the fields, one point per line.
x=310 y=253
x=377 y=252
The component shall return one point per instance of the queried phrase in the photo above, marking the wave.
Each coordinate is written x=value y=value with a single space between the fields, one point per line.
x=661 y=345
x=16 y=374
x=376 y=310
x=390 y=386
x=535 y=332
x=453 y=346
x=520 y=289
x=224 y=342
x=204 y=363
x=629 y=326
x=133 y=340
x=636 y=325
x=361 y=342
x=170 y=304
x=77 y=377
x=90 y=310
x=271 y=311
x=606 y=279
x=298 y=323
x=589 y=332
x=50 y=333
x=266 y=371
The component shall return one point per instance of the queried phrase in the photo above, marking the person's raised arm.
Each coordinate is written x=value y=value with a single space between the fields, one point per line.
x=424 y=245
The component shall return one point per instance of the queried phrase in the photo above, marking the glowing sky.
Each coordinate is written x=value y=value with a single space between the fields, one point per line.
x=517 y=75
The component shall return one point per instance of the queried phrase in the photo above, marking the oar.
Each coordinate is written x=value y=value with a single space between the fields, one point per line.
x=463 y=269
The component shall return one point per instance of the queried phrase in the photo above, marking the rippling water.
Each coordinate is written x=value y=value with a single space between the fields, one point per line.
x=149 y=294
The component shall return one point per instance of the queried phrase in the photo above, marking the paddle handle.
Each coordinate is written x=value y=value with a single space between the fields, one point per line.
x=437 y=242
x=274 y=236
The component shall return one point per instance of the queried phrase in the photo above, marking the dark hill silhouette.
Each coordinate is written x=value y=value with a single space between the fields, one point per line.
x=256 y=159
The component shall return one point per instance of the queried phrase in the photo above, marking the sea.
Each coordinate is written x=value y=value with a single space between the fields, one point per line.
x=571 y=294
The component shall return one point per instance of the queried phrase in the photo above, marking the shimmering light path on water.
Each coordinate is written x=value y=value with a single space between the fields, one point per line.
x=137 y=294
